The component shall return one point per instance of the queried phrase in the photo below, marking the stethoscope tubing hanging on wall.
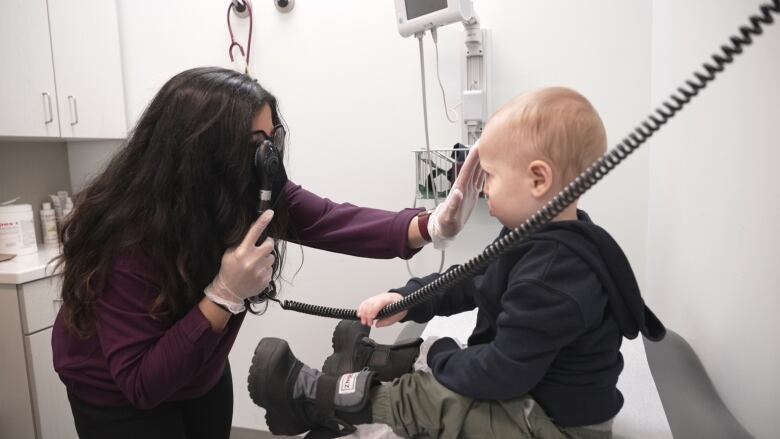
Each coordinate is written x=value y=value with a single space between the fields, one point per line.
x=242 y=8
x=575 y=189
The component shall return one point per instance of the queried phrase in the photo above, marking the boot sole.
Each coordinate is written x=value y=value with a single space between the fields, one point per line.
x=270 y=392
x=346 y=335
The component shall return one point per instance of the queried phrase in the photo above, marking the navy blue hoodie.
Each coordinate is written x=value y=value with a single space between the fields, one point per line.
x=551 y=317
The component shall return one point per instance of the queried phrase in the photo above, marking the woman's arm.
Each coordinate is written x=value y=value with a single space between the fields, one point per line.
x=156 y=358
x=345 y=228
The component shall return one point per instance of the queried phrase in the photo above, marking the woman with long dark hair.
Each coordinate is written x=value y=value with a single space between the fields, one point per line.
x=162 y=249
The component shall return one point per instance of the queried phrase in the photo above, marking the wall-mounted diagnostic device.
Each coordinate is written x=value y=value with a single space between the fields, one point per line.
x=414 y=16
x=418 y=17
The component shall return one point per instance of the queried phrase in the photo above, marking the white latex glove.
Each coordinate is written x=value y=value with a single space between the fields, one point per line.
x=448 y=218
x=245 y=270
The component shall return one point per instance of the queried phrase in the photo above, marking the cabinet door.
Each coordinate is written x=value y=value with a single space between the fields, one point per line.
x=16 y=414
x=39 y=303
x=28 y=99
x=53 y=418
x=85 y=46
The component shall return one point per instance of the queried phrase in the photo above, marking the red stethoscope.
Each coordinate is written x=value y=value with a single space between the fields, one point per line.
x=240 y=7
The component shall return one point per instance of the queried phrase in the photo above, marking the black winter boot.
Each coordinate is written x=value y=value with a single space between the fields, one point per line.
x=353 y=351
x=298 y=398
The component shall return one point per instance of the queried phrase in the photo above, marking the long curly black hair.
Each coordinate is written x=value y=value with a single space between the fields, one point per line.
x=182 y=188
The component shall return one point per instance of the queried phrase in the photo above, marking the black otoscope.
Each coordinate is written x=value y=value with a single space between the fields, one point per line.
x=269 y=169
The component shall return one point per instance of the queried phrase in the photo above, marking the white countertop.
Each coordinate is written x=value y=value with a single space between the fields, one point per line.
x=27 y=268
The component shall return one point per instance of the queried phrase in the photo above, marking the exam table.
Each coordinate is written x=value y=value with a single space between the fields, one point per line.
x=666 y=389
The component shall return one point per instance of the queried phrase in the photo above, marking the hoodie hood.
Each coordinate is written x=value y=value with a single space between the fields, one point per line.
x=597 y=248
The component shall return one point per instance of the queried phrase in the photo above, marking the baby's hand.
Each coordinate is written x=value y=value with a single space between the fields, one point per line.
x=368 y=310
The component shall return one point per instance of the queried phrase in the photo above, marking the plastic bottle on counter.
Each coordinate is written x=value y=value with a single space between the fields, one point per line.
x=57 y=206
x=48 y=225
x=67 y=208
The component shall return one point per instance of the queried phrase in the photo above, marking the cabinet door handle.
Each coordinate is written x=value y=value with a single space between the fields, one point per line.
x=74 y=110
x=47 y=104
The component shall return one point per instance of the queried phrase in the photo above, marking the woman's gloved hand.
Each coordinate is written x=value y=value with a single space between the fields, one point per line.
x=448 y=218
x=245 y=270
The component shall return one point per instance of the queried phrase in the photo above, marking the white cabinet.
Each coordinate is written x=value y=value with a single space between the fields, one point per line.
x=53 y=418
x=28 y=98
x=33 y=403
x=61 y=71
x=87 y=67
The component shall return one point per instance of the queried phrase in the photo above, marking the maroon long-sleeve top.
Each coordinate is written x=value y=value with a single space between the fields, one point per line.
x=134 y=358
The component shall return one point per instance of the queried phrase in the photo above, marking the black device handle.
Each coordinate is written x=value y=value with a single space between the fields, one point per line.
x=268 y=166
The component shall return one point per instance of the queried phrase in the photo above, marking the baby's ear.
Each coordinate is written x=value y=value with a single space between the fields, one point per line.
x=541 y=174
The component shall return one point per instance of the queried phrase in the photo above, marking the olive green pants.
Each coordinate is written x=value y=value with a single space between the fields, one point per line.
x=416 y=405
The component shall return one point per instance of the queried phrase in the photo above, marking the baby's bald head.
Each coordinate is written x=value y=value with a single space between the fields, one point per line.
x=555 y=124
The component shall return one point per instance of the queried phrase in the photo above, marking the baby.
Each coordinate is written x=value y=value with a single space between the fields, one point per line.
x=544 y=357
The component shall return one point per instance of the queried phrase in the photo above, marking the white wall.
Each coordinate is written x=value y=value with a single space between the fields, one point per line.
x=713 y=242
x=349 y=88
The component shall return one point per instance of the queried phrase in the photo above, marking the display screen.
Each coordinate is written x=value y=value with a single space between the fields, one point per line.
x=418 y=8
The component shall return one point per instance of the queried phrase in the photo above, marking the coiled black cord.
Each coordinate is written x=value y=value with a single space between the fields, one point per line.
x=576 y=188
